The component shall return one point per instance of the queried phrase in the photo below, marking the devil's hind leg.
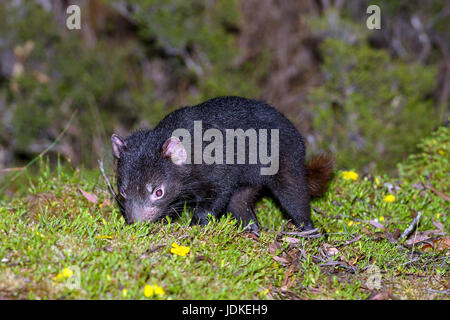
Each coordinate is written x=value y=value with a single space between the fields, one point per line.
x=241 y=207
x=290 y=188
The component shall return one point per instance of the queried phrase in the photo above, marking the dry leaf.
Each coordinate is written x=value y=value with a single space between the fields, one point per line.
x=89 y=196
x=376 y=224
x=280 y=259
x=274 y=247
x=331 y=251
x=291 y=240
x=438 y=225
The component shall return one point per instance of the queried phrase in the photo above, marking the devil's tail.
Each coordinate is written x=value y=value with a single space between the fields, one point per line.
x=319 y=172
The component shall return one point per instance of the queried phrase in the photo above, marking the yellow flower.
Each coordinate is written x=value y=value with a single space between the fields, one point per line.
x=441 y=151
x=65 y=273
x=264 y=293
x=179 y=250
x=438 y=215
x=159 y=291
x=389 y=198
x=377 y=180
x=103 y=220
x=381 y=218
x=350 y=223
x=124 y=293
x=102 y=236
x=350 y=175
x=148 y=291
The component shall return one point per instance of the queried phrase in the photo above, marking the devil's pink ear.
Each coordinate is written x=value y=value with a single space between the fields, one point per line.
x=118 y=145
x=174 y=149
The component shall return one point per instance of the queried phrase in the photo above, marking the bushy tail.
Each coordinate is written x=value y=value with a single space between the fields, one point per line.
x=319 y=172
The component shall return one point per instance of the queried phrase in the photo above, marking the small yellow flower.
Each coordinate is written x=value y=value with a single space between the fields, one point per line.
x=350 y=223
x=350 y=175
x=108 y=277
x=103 y=220
x=441 y=151
x=222 y=263
x=264 y=293
x=103 y=236
x=159 y=291
x=179 y=250
x=438 y=215
x=381 y=218
x=65 y=273
x=148 y=291
x=124 y=293
x=377 y=180
x=389 y=198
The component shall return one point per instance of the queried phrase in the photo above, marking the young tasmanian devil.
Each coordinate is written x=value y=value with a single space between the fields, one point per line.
x=217 y=157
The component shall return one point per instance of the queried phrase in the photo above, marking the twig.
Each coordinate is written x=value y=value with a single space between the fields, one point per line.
x=100 y=164
x=306 y=234
x=356 y=238
x=437 y=192
x=11 y=169
x=413 y=225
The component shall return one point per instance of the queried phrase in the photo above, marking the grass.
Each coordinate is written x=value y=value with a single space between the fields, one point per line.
x=54 y=243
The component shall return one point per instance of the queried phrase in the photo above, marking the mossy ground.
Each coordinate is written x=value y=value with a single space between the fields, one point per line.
x=54 y=227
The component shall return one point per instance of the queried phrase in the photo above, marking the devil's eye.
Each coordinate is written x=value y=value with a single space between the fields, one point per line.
x=159 y=193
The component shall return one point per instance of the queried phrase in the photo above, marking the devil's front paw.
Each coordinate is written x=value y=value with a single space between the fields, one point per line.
x=200 y=218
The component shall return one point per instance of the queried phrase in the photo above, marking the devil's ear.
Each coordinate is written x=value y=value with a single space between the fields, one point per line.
x=174 y=149
x=118 y=145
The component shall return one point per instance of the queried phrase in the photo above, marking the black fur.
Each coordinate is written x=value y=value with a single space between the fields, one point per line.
x=213 y=189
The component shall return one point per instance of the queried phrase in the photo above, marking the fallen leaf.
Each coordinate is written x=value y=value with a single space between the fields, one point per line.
x=331 y=251
x=280 y=259
x=274 y=247
x=89 y=196
x=380 y=296
x=419 y=237
x=251 y=235
x=438 y=225
x=376 y=224
x=291 y=240
x=423 y=236
x=438 y=244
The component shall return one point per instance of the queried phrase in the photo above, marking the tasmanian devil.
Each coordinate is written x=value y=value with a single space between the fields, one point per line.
x=218 y=157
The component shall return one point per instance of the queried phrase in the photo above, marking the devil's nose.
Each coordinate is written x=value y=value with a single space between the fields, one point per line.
x=141 y=213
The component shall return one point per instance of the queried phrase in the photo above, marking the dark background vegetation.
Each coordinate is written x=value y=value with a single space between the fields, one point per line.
x=367 y=96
